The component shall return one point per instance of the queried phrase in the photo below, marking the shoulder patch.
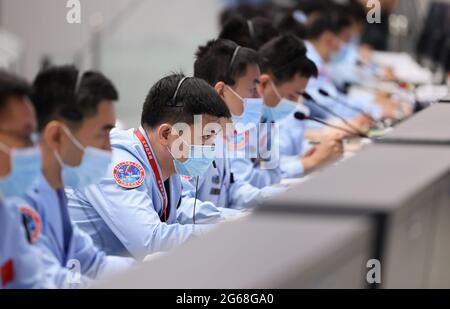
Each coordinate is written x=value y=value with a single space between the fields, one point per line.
x=33 y=222
x=129 y=174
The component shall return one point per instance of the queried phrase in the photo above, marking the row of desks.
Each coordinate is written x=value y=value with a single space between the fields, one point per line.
x=391 y=203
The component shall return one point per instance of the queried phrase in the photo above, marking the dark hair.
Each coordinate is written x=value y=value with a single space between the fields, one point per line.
x=12 y=85
x=356 y=11
x=164 y=103
x=223 y=60
x=315 y=6
x=252 y=33
x=94 y=87
x=54 y=95
x=284 y=57
x=248 y=11
x=287 y=23
x=327 y=21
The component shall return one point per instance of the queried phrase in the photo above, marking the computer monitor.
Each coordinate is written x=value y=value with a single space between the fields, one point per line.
x=435 y=31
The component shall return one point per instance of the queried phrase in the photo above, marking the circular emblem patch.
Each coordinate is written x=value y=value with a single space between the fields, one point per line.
x=129 y=174
x=32 y=221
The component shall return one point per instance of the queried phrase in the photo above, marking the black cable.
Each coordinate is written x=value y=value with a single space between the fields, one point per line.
x=333 y=113
x=195 y=201
x=27 y=228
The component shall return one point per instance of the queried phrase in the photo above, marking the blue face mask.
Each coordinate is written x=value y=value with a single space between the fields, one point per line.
x=25 y=169
x=93 y=167
x=342 y=54
x=200 y=159
x=283 y=109
x=252 y=112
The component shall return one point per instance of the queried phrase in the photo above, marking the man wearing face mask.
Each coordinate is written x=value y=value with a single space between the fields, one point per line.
x=234 y=72
x=324 y=42
x=287 y=69
x=348 y=66
x=20 y=165
x=281 y=84
x=133 y=210
x=74 y=139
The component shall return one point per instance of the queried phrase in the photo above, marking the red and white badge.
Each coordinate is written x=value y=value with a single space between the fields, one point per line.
x=129 y=174
x=33 y=222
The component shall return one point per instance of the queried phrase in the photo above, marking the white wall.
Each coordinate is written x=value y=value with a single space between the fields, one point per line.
x=155 y=38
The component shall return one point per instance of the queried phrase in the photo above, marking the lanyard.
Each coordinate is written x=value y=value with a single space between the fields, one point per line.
x=151 y=159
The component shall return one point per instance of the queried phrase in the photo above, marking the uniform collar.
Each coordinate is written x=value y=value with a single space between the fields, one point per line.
x=141 y=148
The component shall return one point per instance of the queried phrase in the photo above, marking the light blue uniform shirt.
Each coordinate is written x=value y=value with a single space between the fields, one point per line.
x=220 y=194
x=258 y=162
x=126 y=219
x=293 y=146
x=20 y=263
x=347 y=70
x=325 y=82
x=65 y=242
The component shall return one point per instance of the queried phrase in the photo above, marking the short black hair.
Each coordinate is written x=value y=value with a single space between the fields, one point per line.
x=315 y=6
x=252 y=33
x=248 y=11
x=284 y=57
x=356 y=11
x=54 y=95
x=221 y=60
x=331 y=21
x=194 y=97
x=12 y=85
x=94 y=87
x=287 y=23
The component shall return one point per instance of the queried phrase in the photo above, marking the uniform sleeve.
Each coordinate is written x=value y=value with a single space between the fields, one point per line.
x=205 y=212
x=292 y=166
x=366 y=103
x=57 y=276
x=95 y=263
x=244 y=169
x=28 y=263
x=292 y=137
x=87 y=263
x=131 y=216
x=244 y=196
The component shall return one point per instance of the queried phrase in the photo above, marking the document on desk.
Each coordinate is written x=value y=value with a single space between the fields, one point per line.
x=405 y=67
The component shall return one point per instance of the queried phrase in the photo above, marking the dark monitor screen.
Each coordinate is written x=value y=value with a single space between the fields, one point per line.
x=434 y=36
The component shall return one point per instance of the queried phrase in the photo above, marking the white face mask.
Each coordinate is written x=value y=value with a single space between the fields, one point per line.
x=283 y=109
x=199 y=160
x=251 y=113
x=93 y=167
x=25 y=169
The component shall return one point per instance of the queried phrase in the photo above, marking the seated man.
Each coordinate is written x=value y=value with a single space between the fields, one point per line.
x=234 y=72
x=285 y=73
x=325 y=30
x=133 y=210
x=75 y=152
x=20 y=164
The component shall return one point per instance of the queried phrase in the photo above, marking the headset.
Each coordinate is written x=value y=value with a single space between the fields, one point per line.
x=174 y=104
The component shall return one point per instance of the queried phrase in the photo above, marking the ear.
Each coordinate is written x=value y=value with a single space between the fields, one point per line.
x=219 y=87
x=264 y=80
x=52 y=135
x=164 y=133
